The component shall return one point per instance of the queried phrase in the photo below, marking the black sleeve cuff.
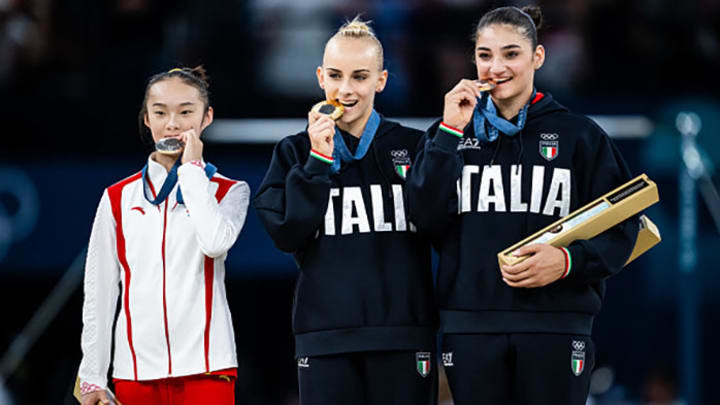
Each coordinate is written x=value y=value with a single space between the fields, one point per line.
x=316 y=167
x=577 y=257
x=445 y=141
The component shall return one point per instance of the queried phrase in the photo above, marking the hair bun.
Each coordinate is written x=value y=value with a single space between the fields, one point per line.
x=199 y=72
x=356 y=28
x=535 y=14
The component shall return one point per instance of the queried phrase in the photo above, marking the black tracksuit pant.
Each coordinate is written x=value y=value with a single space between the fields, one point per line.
x=369 y=378
x=518 y=369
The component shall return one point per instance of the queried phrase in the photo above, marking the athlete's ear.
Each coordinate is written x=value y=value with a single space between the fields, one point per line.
x=382 y=81
x=539 y=57
x=320 y=77
x=207 y=119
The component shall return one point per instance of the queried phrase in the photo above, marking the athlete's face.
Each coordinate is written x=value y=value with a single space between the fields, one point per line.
x=351 y=74
x=506 y=56
x=174 y=107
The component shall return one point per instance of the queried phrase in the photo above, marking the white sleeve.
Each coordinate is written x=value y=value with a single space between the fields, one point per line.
x=102 y=275
x=217 y=226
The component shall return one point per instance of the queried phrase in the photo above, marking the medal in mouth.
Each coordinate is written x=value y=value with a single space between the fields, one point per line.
x=490 y=84
x=169 y=146
x=485 y=85
x=330 y=107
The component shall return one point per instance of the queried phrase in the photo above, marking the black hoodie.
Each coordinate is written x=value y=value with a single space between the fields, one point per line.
x=479 y=199
x=365 y=281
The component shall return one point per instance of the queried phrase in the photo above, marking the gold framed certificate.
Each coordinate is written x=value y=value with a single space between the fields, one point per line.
x=596 y=217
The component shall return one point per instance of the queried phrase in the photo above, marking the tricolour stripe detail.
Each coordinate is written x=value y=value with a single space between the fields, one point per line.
x=115 y=195
x=568 y=262
x=209 y=276
x=450 y=130
x=319 y=156
x=577 y=366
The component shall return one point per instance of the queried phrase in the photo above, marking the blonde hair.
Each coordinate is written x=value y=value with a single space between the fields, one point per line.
x=360 y=29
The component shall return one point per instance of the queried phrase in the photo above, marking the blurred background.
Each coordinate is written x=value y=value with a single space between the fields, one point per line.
x=72 y=76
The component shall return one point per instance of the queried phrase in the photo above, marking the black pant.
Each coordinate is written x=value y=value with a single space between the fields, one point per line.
x=368 y=378
x=521 y=369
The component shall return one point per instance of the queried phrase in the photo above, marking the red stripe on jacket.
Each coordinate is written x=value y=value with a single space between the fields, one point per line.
x=209 y=267
x=115 y=195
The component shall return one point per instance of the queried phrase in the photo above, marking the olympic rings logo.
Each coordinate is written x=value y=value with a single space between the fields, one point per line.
x=549 y=137
x=19 y=207
x=399 y=153
x=578 y=345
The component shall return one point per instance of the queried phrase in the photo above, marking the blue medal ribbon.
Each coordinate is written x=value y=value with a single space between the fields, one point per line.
x=170 y=182
x=485 y=111
x=341 y=153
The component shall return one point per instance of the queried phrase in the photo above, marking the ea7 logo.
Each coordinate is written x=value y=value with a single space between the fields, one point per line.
x=303 y=362
x=447 y=359
x=469 y=143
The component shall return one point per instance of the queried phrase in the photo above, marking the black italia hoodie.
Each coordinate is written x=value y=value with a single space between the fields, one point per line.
x=365 y=281
x=477 y=199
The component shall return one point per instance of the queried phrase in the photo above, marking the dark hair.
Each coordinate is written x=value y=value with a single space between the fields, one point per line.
x=196 y=77
x=528 y=20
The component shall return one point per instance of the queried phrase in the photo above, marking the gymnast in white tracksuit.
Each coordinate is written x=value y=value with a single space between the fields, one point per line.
x=162 y=235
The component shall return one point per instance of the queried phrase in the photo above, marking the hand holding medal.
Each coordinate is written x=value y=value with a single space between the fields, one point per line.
x=193 y=146
x=461 y=100
x=321 y=125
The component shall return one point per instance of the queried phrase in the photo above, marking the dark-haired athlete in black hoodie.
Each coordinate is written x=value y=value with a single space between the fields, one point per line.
x=500 y=167
x=364 y=316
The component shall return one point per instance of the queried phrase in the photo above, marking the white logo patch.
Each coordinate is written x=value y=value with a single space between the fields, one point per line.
x=447 y=359
x=469 y=143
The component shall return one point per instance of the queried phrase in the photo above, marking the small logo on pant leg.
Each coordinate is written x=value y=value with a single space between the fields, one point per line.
x=447 y=359
x=303 y=362
x=577 y=358
x=422 y=363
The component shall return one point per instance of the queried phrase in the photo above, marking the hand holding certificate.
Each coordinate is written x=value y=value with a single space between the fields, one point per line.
x=596 y=217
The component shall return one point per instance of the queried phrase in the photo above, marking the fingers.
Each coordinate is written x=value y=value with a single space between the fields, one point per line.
x=515 y=277
x=189 y=135
x=520 y=267
x=529 y=282
x=528 y=249
x=467 y=86
x=93 y=398
x=313 y=116
x=323 y=126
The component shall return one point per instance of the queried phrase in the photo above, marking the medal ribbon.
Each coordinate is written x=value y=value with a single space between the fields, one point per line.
x=486 y=111
x=170 y=182
x=341 y=153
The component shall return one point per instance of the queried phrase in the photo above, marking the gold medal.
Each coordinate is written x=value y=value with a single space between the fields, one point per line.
x=485 y=85
x=330 y=107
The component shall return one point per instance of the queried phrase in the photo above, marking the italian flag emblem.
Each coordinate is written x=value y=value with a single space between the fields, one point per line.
x=402 y=170
x=549 y=149
x=577 y=360
x=422 y=363
x=578 y=366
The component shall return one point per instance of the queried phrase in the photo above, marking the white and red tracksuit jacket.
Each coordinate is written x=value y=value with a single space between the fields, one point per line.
x=170 y=259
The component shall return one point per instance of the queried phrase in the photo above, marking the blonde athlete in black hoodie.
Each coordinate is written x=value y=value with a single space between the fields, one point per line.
x=364 y=316
x=500 y=166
